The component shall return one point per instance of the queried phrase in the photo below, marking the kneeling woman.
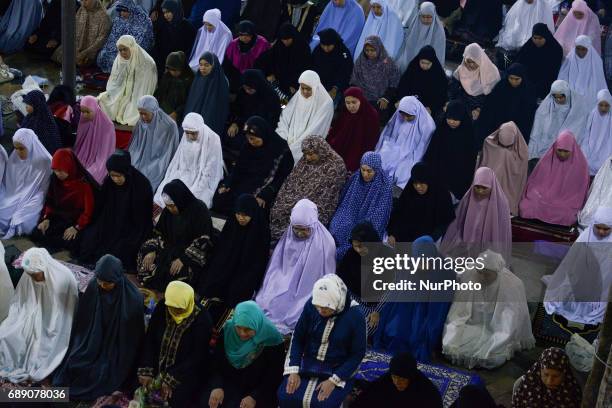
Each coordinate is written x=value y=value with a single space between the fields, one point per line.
x=178 y=251
x=326 y=350
x=125 y=215
x=176 y=346
x=248 y=361
x=69 y=205
x=107 y=334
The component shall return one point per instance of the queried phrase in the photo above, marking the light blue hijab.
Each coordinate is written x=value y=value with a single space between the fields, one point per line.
x=348 y=21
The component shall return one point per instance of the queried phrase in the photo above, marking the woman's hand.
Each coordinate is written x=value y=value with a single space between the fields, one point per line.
x=325 y=389
x=145 y=380
x=232 y=131
x=44 y=226
x=248 y=402
x=382 y=103
x=70 y=233
x=148 y=263
x=293 y=383
x=166 y=392
x=216 y=398
x=373 y=319
x=176 y=266
x=223 y=190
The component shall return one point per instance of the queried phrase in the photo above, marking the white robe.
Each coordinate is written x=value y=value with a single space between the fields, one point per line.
x=519 y=22
x=596 y=142
x=34 y=337
x=6 y=286
x=304 y=117
x=198 y=164
x=128 y=81
x=215 y=42
x=485 y=328
x=600 y=194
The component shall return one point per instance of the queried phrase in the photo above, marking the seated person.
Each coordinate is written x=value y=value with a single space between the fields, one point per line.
x=174 y=85
x=595 y=143
x=425 y=28
x=303 y=16
x=33 y=340
x=304 y=254
x=474 y=396
x=48 y=35
x=600 y=194
x=480 y=21
x=175 y=349
x=264 y=163
x=197 y=162
x=124 y=214
x=346 y=18
x=179 y=248
x=383 y=21
x=26 y=178
x=548 y=383
x=69 y=204
x=485 y=328
x=41 y=121
x=133 y=75
x=404 y=385
x=247 y=361
x=172 y=33
x=519 y=21
x=108 y=331
x=557 y=188
x=242 y=53
x=213 y=36
x=580 y=20
x=333 y=62
x=326 y=349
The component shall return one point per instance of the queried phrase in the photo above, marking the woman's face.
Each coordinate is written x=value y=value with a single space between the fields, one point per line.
x=29 y=108
x=209 y=27
x=420 y=187
x=145 y=116
x=168 y=15
x=515 y=81
x=61 y=175
x=245 y=38
x=482 y=192
x=106 y=286
x=370 y=52
x=37 y=276
x=173 y=209
x=425 y=64
x=426 y=19
x=400 y=383
x=367 y=173
x=306 y=91
x=124 y=14
x=176 y=311
x=21 y=150
x=563 y=154
x=551 y=378
x=327 y=48
x=453 y=123
x=470 y=64
x=560 y=99
x=117 y=178
x=603 y=107
x=254 y=140
x=124 y=52
x=87 y=113
x=311 y=156
x=248 y=90
x=301 y=232
x=581 y=51
x=205 y=67
x=578 y=14
x=244 y=333
x=325 y=311
x=174 y=73
x=242 y=219
x=192 y=135
x=352 y=104
x=377 y=9
x=359 y=247
x=406 y=117
x=538 y=41
x=602 y=230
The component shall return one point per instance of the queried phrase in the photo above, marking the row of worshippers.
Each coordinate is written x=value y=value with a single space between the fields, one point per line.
x=96 y=346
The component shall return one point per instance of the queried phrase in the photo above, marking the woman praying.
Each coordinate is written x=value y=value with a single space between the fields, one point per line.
x=174 y=86
x=384 y=23
x=214 y=37
x=172 y=33
x=519 y=21
x=580 y=20
x=41 y=121
x=242 y=53
x=600 y=193
x=595 y=143
x=333 y=62
x=425 y=28
x=346 y=18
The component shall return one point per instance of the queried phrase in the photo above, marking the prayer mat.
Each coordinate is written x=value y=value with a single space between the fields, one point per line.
x=94 y=79
x=448 y=380
x=532 y=230
x=83 y=275
x=555 y=331
x=123 y=138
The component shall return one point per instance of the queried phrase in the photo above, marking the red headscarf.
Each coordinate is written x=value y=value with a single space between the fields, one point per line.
x=353 y=134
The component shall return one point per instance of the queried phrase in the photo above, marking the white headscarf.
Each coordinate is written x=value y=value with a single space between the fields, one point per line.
x=552 y=118
x=330 y=292
x=483 y=79
x=584 y=75
x=23 y=189
x=215 y=42
x=485 y=328
x=306 y=117
x=418 y=35
x=596 y=143
x=6 y=286
x=128 y=81
x=388 y=27
x=405 y=9
x=34 y=337
x=402 y=144
x=520 y=20
x=600 y=194
x=579 y=288
x=198 y=164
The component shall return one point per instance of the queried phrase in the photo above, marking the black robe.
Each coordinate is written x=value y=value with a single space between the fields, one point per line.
x=505 y=104
x=481 y=21
x=177 y=35
x=543 y=64
x=171 y=92
x=334 y=68
x=179 y=352
x=106 y=338
x=451 y=154
x=185 y=236
x=305 y=17
x=50 y=29
x=421 y=393
x=265 y=14
x=241 y=256
x=286 y=63
x=431 y=87
x=415 y=215
x=125 y=215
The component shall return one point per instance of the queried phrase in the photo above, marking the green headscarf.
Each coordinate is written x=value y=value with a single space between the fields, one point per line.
x=242 y=353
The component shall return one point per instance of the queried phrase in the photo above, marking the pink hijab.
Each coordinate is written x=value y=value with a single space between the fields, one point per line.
x=95 y=140
x=506 y=153
x=557 y=190
x=482 y=80
x=571 y=27
x=480 y=223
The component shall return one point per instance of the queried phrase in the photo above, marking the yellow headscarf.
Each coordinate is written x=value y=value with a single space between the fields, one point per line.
x=180 y=295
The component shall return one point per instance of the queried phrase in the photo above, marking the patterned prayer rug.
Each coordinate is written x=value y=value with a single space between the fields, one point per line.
x=555 y=331
x=448 y=380
x=82 y=274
